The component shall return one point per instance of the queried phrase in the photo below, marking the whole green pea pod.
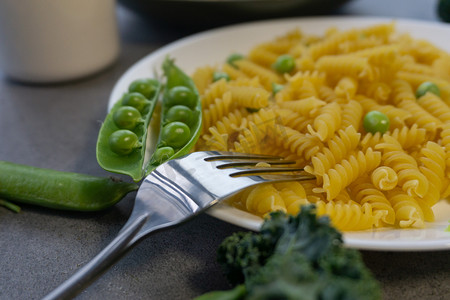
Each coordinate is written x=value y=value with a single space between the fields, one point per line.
x=60 y=190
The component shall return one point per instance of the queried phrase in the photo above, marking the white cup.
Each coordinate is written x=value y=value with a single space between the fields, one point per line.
x=44 y=41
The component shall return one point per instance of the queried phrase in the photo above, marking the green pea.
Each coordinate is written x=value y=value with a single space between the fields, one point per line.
x=284 y=64
x=162 y=154
x=252 y=110
x=179 y=113
x=375 y=121
x=127 y=117
x=220 y=75
x=146 y=87
x=276 y=87
x=175 y=134
x=233 y=58
x=137 y=100
x=426 y=87
x=181 y=95
x=123 y=142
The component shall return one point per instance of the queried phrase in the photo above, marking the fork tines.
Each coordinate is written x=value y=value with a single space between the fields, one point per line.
x=258 y=164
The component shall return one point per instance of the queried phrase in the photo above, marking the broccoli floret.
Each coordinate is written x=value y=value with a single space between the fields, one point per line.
x=295 y=257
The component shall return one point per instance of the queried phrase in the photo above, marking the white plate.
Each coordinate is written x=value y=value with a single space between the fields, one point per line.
x=214 y=46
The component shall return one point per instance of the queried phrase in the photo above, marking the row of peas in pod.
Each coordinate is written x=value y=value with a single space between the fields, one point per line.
x=181 y=116
x=122 y=141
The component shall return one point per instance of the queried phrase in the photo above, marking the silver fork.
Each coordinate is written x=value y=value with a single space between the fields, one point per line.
x=175 y=192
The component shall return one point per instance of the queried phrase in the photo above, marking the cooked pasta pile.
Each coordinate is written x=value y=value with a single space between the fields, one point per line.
x=363 y=180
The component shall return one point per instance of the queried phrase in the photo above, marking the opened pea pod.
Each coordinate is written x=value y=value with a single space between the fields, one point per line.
x=122 y=141
x=181 y=116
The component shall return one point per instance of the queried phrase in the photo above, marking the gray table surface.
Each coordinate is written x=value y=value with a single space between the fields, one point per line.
x=55 y=126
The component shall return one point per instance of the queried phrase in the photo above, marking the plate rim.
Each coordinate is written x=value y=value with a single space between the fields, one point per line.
x=222 y=213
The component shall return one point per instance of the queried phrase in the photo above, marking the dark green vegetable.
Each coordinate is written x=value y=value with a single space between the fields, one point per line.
x=162 y=154
x=127 y=117
x=147 y=87
x=60 y=190
x=284 y=64
x=294 y=257
x=179 y=113
x=276 y=87
x=10 y=206
x=137 y=100
x=123 y=142
x=220 y=75
x=375 y=121
x=177 y=134
x=233 y=58
x=236 y=293
x=124 y=152
x=176 y=129
x=426 y=87
x=181 y=95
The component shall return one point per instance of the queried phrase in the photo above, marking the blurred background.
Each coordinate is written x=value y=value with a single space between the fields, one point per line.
x=166 y=20
x=201 y=14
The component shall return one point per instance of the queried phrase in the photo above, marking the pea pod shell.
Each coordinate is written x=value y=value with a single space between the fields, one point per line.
x=60 y=190
x=176 y=77
x=131 y=164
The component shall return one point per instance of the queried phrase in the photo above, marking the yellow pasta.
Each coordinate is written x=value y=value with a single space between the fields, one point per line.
x=384 y=178
x=314 y=116
x=363 y=191
x=346 y=65
x=337 y=149
x=352 y=113
x=293 y=119
x=433 y=167
x=304 y=106
x=407 y=211
x=349 y=216
x=348 y=170
x=266 y=76
x=217 y=110
x=327 y=122
x=435 y=106
x=202 y=78
x=346 y=87
x=411 y=180
x=304 y=145
x=409 y=137
x=214 y=91
x=250 y=97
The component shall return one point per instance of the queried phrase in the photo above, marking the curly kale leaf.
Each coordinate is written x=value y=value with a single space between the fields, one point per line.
x=242 y=253
x=284 y=277
x=296 y=257
x=305 y=233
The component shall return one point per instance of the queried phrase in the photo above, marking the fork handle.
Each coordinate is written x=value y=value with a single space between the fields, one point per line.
x=100 y=263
